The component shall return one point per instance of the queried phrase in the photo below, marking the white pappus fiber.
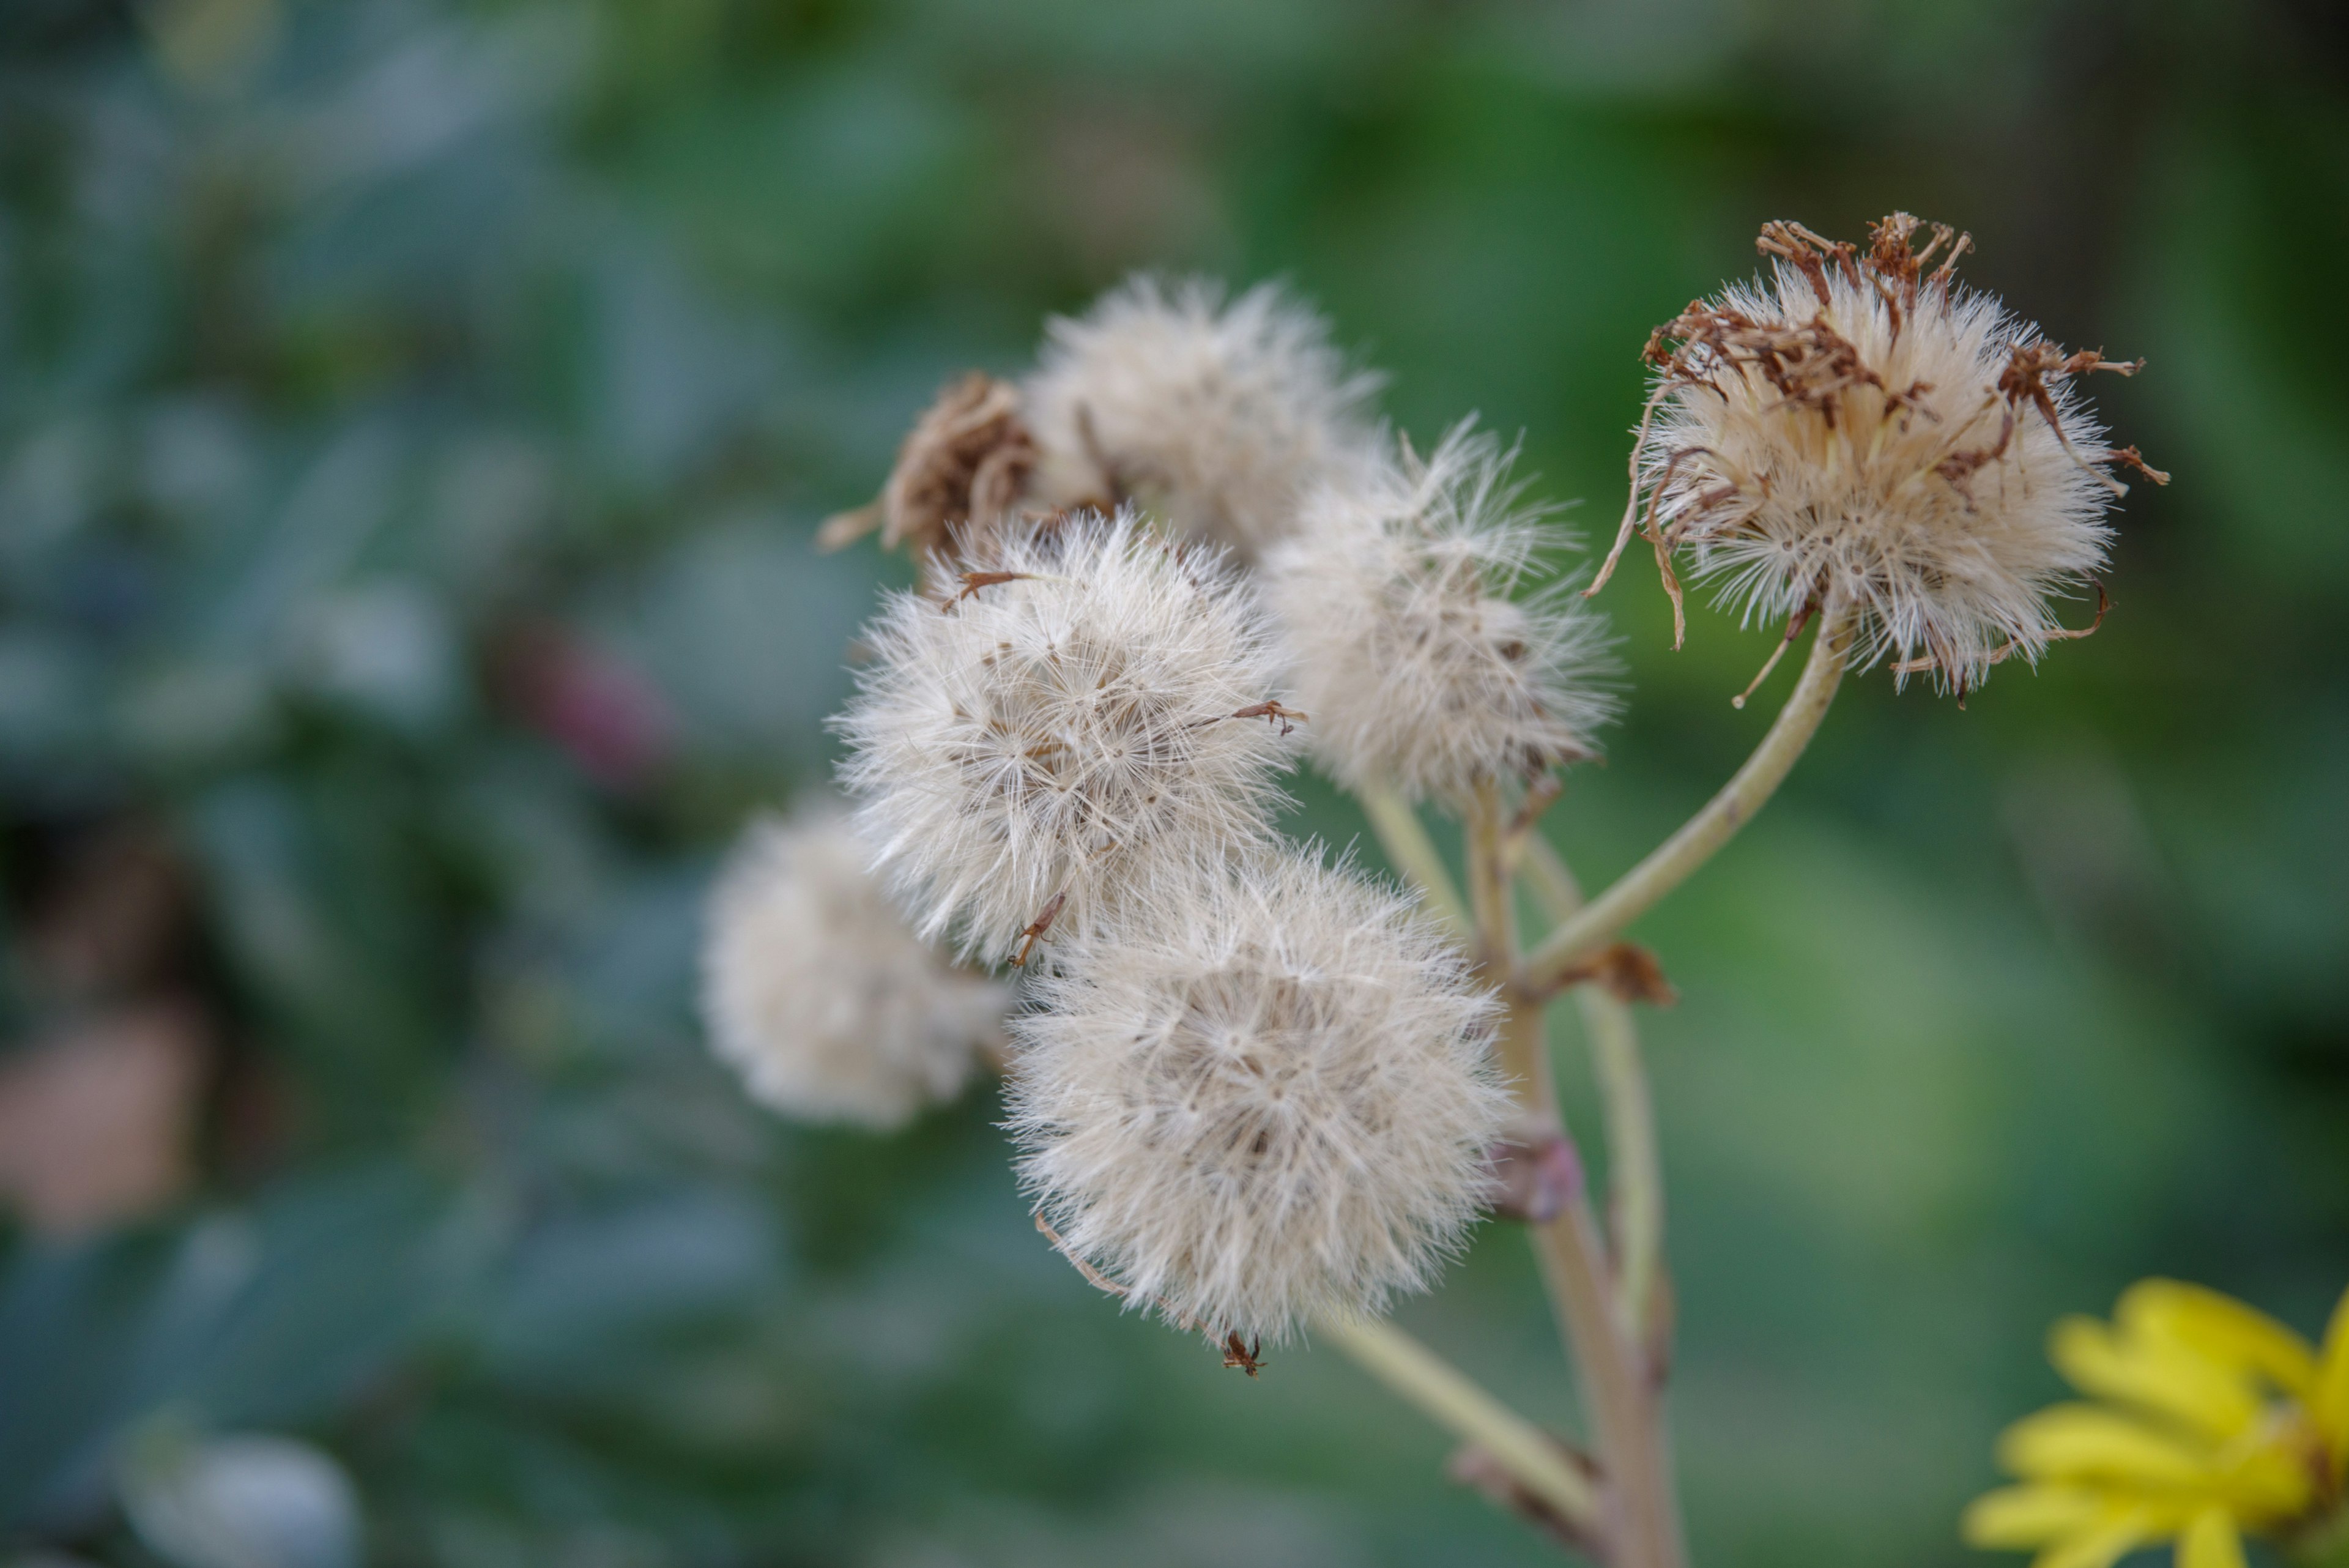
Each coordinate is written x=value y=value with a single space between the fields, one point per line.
x=816 y=992
x=1271 y=1103
x=1218 y=417
x=1094 y=710
x=1853 y=436
x=1422 y=670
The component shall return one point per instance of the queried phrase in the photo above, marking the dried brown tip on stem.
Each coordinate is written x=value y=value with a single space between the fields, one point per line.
x=1244 y=1356
x=1471 y=1467
x=2024 y=380
x=1271 y=712
x=1035 y=931
x=974 y=581
x=1626 y=972
x=1791 y=242
x=2129 y=457
x=967 y=461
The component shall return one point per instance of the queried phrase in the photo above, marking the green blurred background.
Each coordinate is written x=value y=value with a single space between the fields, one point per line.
x=413 y=419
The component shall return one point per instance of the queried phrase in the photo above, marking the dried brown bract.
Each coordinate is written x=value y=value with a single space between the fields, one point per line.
x=967 y=461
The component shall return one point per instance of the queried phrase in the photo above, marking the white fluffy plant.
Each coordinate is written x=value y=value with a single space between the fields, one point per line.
x=1264 y=1100
x=818 y=994
x=1082 y=707
x=1423 y=664
x=1219 y=416
x=1258 y=1094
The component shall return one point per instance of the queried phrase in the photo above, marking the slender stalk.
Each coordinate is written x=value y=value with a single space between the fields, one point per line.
x=1619 y=1399
x=1702 y=834
x=1412 y=852
x=1456 y=1404
x=1489 y=898
x=1635 y=1180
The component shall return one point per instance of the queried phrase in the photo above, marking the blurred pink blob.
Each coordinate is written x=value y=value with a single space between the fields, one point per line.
x=95 y=1121
x=604 y=714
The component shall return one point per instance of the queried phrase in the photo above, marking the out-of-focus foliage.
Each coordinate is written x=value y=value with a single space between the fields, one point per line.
x=413 y=418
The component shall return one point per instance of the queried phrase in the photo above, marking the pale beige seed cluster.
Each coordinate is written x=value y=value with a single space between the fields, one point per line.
x=1091 y=712
x=1857 y=434
x=1217 y=417
x=819 y=995
x=1268 y=1101
x=1423 y=664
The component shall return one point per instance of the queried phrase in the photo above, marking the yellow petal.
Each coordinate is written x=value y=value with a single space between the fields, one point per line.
x=2155 y=1374
x=2330 y=1403
x=2017 y=1518
x=2219 y=1328
x=2210 y=1541
x=2099 y=1546
x=2085 y=1442
x=2267 y=1481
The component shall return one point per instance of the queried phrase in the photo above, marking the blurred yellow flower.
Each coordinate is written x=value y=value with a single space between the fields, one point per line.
x=2208 y=1422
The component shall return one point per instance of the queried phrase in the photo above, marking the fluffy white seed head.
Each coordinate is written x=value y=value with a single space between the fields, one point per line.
x=817 y=993
x=1271 y=1103
x=1086 y=713
x=1857 y=434
x=1398 y=607
x=1218 y=417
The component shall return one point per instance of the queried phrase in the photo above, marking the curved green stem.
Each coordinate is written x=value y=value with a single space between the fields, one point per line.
x=1413 y=854
x=1455 y=1403
x=1702 y=834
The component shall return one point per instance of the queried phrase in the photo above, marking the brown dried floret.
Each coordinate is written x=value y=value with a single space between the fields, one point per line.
x=966 y=460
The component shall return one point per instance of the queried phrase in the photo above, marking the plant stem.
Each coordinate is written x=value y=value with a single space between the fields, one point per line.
x=1489 y=897
x=1456 y=1404
x=1622 y=1402
x=1702 y=834
x=1635 y=1178
x=1611 y=1367
x=1413 y=854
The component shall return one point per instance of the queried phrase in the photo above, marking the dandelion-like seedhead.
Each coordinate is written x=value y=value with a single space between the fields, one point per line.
x=1092 y=708
x=1857 y=435
x=1218 y=417
x=1422 y=670
x=1267 y=1100
x=815 y=990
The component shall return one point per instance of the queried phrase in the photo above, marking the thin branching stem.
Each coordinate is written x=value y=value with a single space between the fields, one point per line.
x=1413 y=854
x=1635 y=1180
x=1700 y=837
x=1620 y=1399
x=1452 y=1401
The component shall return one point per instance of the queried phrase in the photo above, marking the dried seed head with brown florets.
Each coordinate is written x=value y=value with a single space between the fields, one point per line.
x=1861 y=436
x=1269 y=1100
x=1217 y=417
x=1396 y=598
x=815 y=990
x=1094 y=704
x=965 y=461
